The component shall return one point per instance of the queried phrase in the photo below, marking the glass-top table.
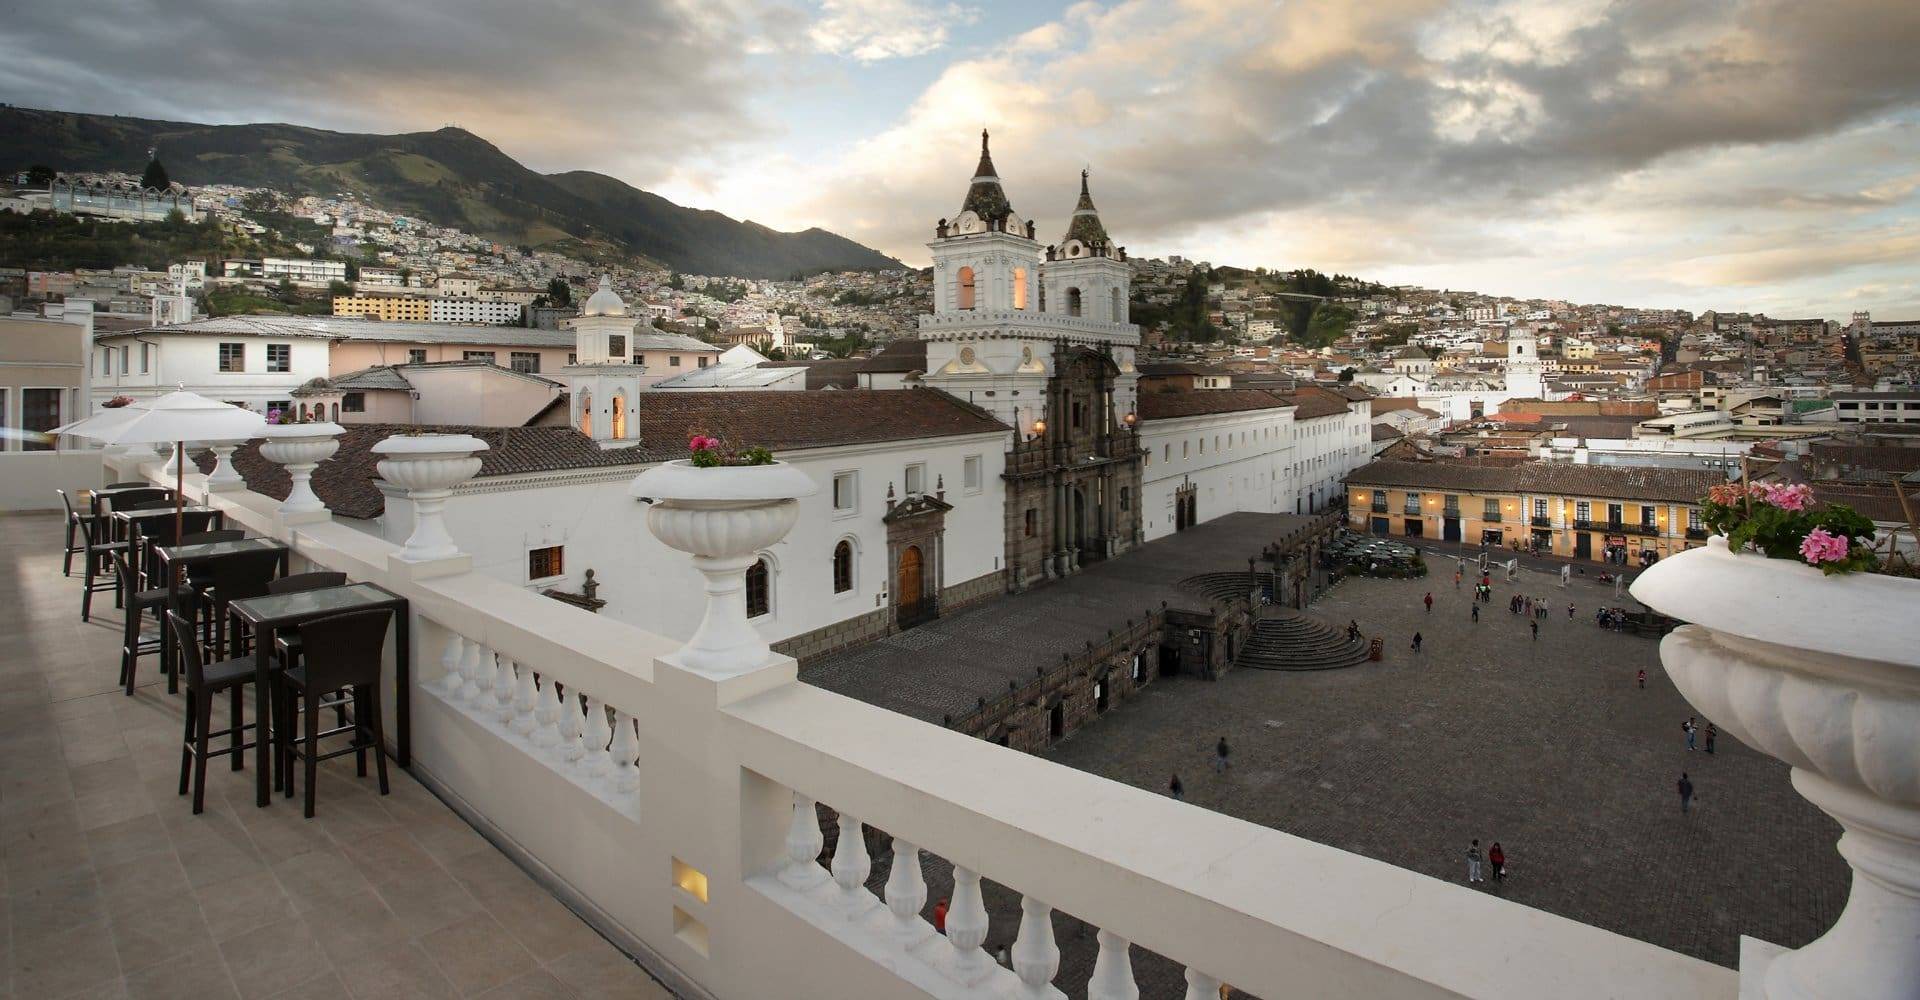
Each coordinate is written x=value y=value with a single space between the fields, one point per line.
x=276 y=612
x=171 y=562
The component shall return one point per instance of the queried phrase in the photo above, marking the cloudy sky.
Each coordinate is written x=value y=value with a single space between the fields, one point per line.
x=1743 y=154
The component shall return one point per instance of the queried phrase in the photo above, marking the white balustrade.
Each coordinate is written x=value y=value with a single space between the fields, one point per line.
x=503 y=688
x=851 y=866
x=598 y=763
x=906 y=894
x=526 y=697
x=1036 y=957
x=573 y=728
x=804 y=842
x=1113 y=970
x=473 y=672
x=967 y=928
x=625 y=751
x=547 y=715
x=1201 y=986
x=450 y=660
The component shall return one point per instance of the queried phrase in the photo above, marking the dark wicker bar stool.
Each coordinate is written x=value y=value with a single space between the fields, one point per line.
x=137 y=604
x=342 y=653
x=204 y=680
x=98 y=564
x=238 y=577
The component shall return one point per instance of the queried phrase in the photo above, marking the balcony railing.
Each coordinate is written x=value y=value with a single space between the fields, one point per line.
x=1697 y=534
x=1543 y=522
x=1491 y=517
x=1379 y=507
x=677 y=809
x=1582 y=524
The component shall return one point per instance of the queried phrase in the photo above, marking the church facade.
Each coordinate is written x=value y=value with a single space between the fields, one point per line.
x=1039 y=337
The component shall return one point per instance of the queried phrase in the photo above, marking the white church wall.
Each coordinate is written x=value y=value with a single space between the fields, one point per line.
x=648 y=585
x=1235 y=462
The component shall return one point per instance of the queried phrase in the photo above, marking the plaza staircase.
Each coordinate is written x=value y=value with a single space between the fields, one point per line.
x=1288 y=640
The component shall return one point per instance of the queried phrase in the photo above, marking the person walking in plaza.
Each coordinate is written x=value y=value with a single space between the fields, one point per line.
x=1220 y=761
x=1569 y=610
x=1476 y=614
x=1686 y=791
x=1536 y=629
x=1416 y=642
x=1473 y=863
x=1497 y=861
x=1176 y=789
x=1688 y=728
x=1429 y=602
x=1711 y=732
x=1642 y=678
x=1353 y=630
x=1456 y=579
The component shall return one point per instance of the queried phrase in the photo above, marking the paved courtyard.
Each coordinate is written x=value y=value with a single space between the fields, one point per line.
x=1544 y=745
x=113 y=888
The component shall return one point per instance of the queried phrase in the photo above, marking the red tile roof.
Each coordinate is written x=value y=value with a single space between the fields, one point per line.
x=1199 y=402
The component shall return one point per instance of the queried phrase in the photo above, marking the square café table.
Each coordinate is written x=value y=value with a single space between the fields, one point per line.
x=128 y=521
x=268 y=615
x=107 y=493
x=184 y=556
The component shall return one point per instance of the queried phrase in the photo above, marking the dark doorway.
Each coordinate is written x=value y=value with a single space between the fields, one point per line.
x=913 y=608
x=1415 y=527
x=1379 y=525
x=1450 y=529
x=1100 y=696
x=1169 y=660
x=1056 y=721
x=1582 y=545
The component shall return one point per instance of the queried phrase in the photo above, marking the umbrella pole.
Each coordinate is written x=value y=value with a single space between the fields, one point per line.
x=179 y=489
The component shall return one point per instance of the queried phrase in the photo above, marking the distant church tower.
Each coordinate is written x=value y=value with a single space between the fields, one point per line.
x=603 y=383
x=1041 y=340
x=1525 y=375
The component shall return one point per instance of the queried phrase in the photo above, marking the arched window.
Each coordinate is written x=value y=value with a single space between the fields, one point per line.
x=586 y=413
x=1073 y=301
x=1019 y=288
x=619 y=417
x=759 y=591
x=966 y=288
x=843 y=567
x=1116 y=315
x=336 y=413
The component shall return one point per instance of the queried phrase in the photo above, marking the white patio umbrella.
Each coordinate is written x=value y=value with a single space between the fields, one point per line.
x=177 y=417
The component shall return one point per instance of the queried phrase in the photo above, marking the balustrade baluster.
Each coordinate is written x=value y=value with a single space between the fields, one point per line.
x=1035 y=955
x=451 y=659
x=573 y=727
x=1201 y=986
x=851 y=866
x=626 y=747
x=907 y=893
x=804 y=841
x=503 y=684
x=598 y=736
x=1113 y=970
x=967 y=927
x=526 y=697
x=474 y=680
x=547 y=732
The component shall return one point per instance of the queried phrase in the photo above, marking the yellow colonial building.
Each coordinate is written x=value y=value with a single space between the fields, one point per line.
x=1580 y=511
x=390 y=308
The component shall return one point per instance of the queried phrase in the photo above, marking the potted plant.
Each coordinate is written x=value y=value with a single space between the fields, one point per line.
x=723 y=505
x=1798 y=652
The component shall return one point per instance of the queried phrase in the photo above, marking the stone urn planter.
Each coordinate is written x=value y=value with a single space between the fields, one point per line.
x=428 y=467
x=1822 y=672
x=723 y=517
x=301 y=448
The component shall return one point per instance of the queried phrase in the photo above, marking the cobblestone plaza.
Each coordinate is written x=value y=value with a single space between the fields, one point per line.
x=1545 y=745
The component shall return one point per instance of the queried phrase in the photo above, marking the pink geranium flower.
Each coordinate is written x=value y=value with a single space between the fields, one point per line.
x=1823 y=546
x=700 y=442
x=1797 y=497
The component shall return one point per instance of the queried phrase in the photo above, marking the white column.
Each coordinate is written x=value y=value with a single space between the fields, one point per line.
x=526 y=698
x=967 y=927
x=547 y=716
x=851 y=866
x=503 y=688
x=476 y=680
x=1035 y=955
x=625 y=749
x=1113 y=970
x=597 y=738
x=907 y=893
x=1201 y=986
x=450 y=659
x=804 y=841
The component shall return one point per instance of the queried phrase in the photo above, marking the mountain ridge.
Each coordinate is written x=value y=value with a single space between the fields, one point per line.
x=448 y=176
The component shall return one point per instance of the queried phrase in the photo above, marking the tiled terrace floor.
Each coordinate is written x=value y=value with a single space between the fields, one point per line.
x=113 y=888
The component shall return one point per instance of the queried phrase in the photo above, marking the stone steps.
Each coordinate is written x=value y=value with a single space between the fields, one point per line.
x=1288 y=640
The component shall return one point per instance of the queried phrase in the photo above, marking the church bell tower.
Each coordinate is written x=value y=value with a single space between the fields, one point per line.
x=603 y=383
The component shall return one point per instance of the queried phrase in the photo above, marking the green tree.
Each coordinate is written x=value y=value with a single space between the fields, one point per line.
x=559 y=292
x=1346 y=374
x=156 y=176
x=40 y=175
